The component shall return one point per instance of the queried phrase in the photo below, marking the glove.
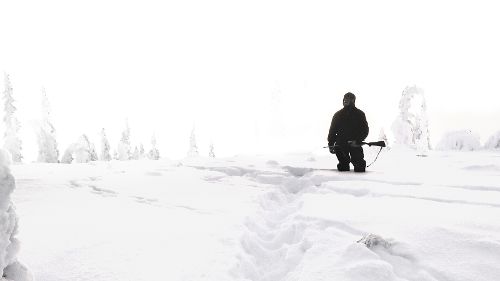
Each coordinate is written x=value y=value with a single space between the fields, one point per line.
x=354 y=143
x=332 y=149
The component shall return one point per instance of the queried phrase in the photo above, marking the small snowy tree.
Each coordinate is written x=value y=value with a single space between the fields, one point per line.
x=411 y=127
x=93 y=152
x=493 y=142
x=10 y=267
x=124 y=149
x=383 y=137
x=459 y=140
x=115 y=155
x=12 y=141
x=154 y=153
x=67 y=157
x=47 y=145
x=211 y=152
x=105 y=147
x=135 y=154
x=193 y=148
x=142 y=153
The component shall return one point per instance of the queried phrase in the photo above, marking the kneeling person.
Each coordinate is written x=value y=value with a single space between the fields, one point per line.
x=347 y=130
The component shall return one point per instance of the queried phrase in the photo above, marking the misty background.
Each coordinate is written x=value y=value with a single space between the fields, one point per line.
x=251 y=77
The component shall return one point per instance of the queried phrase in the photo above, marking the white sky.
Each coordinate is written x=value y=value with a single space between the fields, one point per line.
x=166 y=65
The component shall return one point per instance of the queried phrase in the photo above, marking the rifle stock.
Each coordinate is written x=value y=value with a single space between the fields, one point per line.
x=375 y=143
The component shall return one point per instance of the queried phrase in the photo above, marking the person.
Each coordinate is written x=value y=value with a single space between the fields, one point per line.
x=347 y=130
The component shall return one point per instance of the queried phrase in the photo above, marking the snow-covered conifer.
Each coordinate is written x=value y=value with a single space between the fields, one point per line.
x=142 y=153
x=124 y=149
x=411 y=127
x=105 y=147
x=12 y=141
x=10 y=267
x=493 y=142
x=115 y=155
x=383 y=137
x=211 y=152
x=135 y=154
x=83 y=150
x=154 y=153
x=67 y=157
x=47 y=144
x=193 y=148
x=93 y=152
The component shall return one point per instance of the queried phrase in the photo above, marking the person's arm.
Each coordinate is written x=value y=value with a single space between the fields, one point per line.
x=364 y=128
x=332 y=134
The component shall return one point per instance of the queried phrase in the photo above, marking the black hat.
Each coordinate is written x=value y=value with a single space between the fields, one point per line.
x=350 y=95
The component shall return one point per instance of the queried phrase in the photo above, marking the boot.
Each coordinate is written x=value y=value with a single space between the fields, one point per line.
x=359 y=169
x=343 y=168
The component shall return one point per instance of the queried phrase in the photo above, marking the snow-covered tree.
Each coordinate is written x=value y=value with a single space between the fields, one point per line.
x=67 y=157
x=193 y=148
x=105 y=147
x=459 y=140
x=383 y=137
x=124 y=149
x=82 y=151
x=154 y=153
x=115 y=155
x=10 y=267
x=493 y=142
x=47 y=144
x=142 y=153
x=211 y=152
x=93 y=152
x=135 y=154
x=411 y=127
x=12 y=141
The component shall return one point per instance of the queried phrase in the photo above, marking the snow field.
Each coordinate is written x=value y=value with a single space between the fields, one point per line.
x=259 y=218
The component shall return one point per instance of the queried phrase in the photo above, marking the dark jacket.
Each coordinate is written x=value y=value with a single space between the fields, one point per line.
x=348 y=124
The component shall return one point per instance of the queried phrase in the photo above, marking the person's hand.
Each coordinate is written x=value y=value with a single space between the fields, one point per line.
x=353 y=143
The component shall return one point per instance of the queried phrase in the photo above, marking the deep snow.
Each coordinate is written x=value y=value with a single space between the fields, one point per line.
x=288 y=217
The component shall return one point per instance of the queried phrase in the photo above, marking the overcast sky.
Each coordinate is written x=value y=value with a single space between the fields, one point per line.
x=228 y=67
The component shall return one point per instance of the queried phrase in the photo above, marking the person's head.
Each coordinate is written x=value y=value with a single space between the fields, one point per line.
x=349 y=99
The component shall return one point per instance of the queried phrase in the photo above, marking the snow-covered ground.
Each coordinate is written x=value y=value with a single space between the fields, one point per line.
x=288 y=217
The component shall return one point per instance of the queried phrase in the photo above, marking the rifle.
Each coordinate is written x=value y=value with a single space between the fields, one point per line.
x=374 y=143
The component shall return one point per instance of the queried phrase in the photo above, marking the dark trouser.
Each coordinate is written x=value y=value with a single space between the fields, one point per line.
x=349 y=154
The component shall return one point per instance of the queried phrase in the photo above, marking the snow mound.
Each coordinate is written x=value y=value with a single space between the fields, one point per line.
x=459 y=140
x=10 y=268
x=297 y=171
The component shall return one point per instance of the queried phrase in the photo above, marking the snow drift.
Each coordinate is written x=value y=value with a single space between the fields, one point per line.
x=10 y=268
x=459 y=140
